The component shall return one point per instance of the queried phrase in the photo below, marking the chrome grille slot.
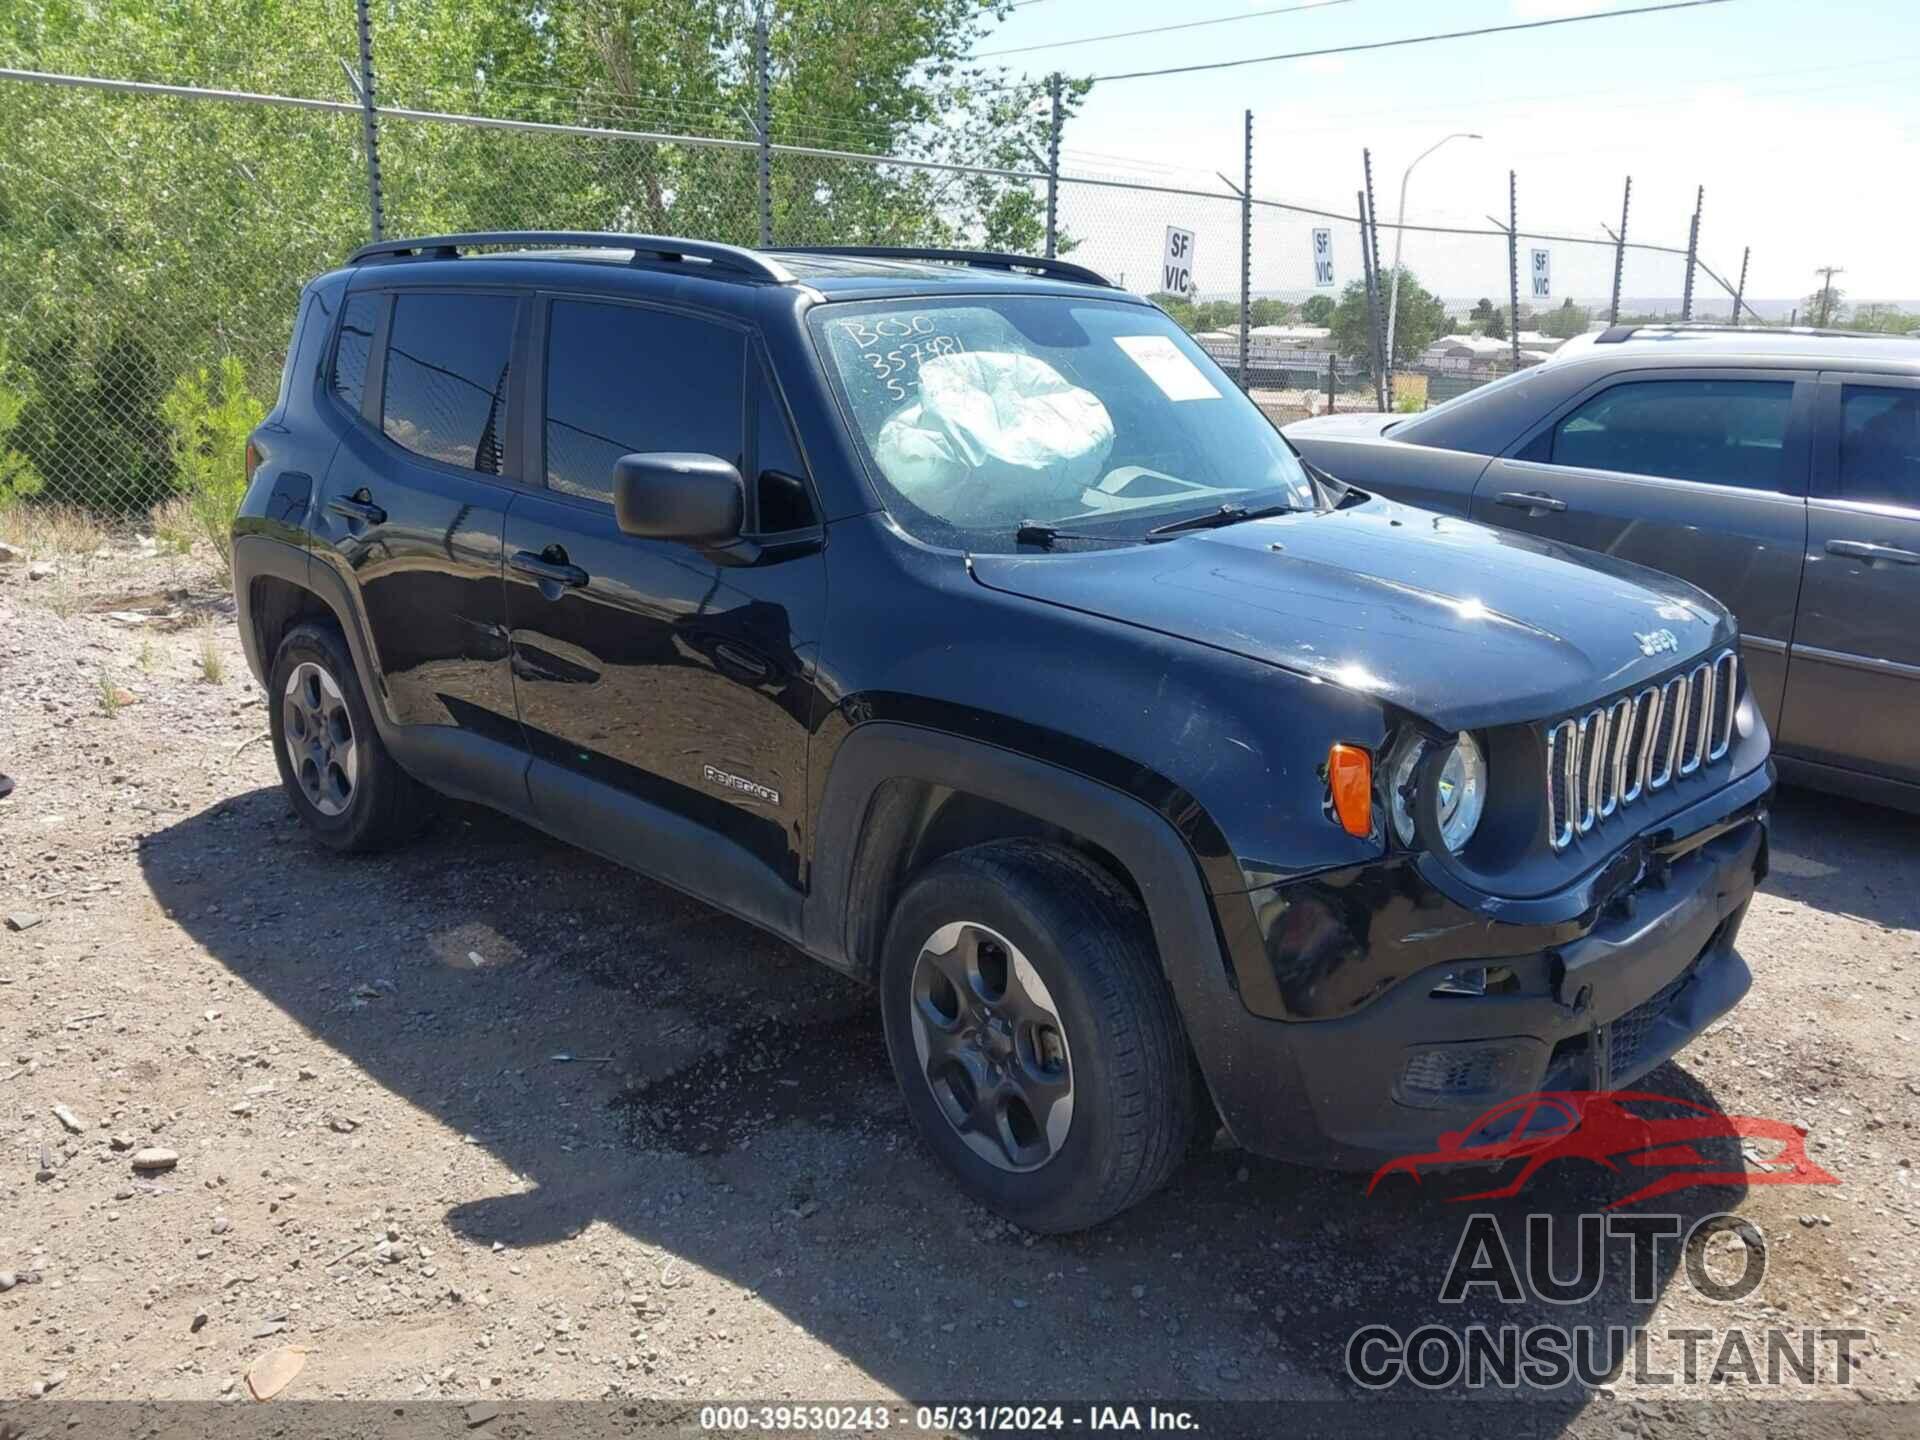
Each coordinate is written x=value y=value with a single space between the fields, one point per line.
x=1646 y=722
x=1628 y=746
x=1562 y=743
x=1693 y=738
x=1592 y=747
x=1666 y=736
x=1614 y=769
x=1726 y=694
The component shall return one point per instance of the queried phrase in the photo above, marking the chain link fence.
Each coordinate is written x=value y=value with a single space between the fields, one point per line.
x=148 y=276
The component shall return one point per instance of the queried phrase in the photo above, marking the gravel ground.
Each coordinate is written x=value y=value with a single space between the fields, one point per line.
x=489 y=1118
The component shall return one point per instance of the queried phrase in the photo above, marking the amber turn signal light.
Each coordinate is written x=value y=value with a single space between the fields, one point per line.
x=1350 y=777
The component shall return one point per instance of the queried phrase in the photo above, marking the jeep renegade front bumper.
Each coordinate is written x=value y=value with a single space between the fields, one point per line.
x=1591 y=1000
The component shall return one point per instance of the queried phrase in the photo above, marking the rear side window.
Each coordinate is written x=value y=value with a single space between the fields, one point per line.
x=356 y=345
x=622 y=379
x=1880 y=445
x=1722 y=432
x=446 y=386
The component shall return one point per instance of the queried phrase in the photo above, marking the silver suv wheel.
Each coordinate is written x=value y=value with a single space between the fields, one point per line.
x=319 y=738
x=991 y=1046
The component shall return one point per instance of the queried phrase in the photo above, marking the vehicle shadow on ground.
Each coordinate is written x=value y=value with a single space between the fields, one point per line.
x=642 y=1061
x=1827 y=849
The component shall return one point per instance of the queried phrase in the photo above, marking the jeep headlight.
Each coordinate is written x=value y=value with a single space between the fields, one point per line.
x=1463 y=790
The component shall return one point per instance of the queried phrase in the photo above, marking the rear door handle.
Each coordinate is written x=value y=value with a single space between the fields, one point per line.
x=365 y=511
x=1862 y=550
x=556 y=571
x=1534 y=502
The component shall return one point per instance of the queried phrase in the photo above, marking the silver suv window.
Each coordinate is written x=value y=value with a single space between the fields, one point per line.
x=1722 y=432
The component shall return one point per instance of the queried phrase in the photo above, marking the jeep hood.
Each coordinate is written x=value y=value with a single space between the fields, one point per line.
x=1459 y=623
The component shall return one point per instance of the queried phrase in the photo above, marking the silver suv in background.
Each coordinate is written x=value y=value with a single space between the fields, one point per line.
x=1777 y=469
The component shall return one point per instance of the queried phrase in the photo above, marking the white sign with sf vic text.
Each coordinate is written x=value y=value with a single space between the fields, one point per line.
x=1322 y=259
x=1176 y=267
x=1542 y=281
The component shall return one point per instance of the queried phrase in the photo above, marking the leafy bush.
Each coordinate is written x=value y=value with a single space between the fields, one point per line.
x=209 y=417
x=18 y=478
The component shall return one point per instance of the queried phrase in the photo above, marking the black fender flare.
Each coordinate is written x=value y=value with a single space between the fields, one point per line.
x=1160 y=863
x=257 y=556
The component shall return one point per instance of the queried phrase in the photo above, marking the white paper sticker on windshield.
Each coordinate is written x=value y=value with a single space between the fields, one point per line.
x=1168 y=367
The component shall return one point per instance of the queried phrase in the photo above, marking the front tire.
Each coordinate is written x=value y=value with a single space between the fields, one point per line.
x=1034 y=1036
x=339 y=777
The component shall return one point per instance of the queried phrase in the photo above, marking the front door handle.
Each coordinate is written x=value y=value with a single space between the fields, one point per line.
x=357 y=507
x=551 y=568
x=1862 y=550
x=1536 y=503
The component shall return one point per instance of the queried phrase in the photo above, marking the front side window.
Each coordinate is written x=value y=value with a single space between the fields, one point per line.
x=446 y=386
x=1722 y=432
x=623 y=379
x=355 y=345
x=984 y=413
x=1880 y=445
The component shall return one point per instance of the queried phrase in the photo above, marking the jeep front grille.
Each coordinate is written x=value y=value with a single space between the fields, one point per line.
x=1607 y=758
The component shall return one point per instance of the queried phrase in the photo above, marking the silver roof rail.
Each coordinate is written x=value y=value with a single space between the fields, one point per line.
x=733 y=258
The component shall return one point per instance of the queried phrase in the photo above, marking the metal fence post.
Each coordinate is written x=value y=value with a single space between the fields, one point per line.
x=370 y=124
x=1383 y=386
x=1246 y=250
x=1740 y=291
x=763 y=124
x=1513 y=262
x=1371 y=289
x=1693 y=251
x=1330 y=382
x=1620 y=253
x=1053 y=164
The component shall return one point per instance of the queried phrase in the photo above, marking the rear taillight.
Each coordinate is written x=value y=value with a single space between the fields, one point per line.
x=253 y=460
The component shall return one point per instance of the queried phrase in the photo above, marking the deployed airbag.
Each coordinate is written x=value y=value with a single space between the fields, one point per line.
x=992 y=430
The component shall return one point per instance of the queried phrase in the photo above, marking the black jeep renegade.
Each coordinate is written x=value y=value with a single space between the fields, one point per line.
x=952 y=616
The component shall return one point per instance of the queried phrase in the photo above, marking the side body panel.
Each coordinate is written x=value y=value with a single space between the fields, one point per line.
x=1853 y=693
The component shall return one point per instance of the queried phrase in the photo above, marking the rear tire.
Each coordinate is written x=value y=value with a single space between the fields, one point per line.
x=338 y=775
x=1034 y=1035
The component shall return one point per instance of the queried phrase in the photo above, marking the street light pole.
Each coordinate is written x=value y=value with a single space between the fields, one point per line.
x=1400 y=232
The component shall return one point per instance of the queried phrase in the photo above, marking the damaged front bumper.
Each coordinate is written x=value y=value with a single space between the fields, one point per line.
x=1586 y=990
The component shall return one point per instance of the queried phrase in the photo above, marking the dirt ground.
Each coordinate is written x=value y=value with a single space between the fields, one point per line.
x=488 y=1117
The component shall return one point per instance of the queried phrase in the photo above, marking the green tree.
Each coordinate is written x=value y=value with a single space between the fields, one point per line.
x=1566 y=322
x=1482 y=309
x=1268 y=310
x=1495 y=326
x=1888 y=319
x=1420 y=320
x=142 y=238
x=1317 y=310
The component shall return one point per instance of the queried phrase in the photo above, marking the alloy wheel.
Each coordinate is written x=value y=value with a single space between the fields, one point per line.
x=991 y=1046
x=318 y=734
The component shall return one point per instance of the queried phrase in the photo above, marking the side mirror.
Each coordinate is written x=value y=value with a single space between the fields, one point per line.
x=676 y=495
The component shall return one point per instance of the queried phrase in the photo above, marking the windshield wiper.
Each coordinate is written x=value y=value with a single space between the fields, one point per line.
x=1214 y=519
x=1032 y=532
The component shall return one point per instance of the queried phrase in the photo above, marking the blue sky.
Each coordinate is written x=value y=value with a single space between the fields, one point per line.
x=1801 y=119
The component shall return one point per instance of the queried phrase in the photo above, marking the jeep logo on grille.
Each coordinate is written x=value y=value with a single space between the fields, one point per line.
x=1657 y=642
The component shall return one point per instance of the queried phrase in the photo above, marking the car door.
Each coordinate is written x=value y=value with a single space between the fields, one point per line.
x=666 y=690
x=1700 y=473
x=412 y=514
x=1853 y=692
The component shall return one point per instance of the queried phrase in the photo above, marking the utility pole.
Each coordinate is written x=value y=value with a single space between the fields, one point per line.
x=1827 y=272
